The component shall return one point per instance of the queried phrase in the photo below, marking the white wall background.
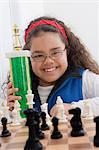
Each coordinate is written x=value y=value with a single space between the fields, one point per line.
x=82 y=16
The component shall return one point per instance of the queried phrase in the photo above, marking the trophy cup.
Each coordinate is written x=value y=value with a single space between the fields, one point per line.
x=20 y=71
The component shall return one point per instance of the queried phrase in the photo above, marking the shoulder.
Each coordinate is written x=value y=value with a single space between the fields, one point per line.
x=89 y=75
x=90 y=84
x=90 y=80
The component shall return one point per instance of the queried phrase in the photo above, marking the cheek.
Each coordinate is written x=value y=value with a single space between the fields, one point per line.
x=64 y=61
x=35 y=67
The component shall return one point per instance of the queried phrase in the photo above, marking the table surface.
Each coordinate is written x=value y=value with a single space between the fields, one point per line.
x=19 y=135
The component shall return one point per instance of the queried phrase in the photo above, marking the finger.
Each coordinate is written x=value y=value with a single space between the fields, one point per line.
x=67 y=106
x=53 y=111
x=13 y=98
x=10 y=104
x=12 y=91
x=10 y=84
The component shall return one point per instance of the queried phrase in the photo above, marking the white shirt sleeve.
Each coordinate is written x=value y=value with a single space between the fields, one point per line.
x=90 y=84
x=90 y=89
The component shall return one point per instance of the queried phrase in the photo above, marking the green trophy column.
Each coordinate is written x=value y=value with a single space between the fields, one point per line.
x=20 y=76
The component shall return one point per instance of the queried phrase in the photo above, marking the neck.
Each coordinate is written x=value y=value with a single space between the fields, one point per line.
x=46 y=83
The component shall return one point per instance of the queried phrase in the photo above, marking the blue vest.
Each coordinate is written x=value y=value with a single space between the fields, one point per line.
x=70 y=90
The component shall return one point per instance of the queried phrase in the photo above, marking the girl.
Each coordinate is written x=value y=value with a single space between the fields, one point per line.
x=60 y=66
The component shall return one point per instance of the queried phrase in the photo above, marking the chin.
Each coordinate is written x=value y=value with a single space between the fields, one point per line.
x=51 y=80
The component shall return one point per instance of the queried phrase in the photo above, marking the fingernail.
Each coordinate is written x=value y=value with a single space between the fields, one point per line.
x=16 y=89
x=20 y=97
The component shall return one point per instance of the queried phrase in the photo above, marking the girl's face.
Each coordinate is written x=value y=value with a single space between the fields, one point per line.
x=49 y=69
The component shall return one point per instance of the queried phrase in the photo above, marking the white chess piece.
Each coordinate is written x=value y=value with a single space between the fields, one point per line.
x=30 y=97
x=4 y=107
x=1 y=115
x=44 y=108
x=61 y=110
x=16 y=119
x=5 y=111
x=87 y=112
x=1 y=111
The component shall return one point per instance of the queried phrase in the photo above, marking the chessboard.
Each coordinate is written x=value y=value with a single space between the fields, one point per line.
x=19 y=135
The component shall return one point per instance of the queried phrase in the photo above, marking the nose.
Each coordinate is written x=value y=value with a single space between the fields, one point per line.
x=48 y=59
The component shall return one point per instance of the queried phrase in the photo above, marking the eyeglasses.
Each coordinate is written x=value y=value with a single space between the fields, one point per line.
x=40 y=57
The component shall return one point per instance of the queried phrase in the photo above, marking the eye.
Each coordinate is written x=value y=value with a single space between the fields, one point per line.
x=55 y=52
x=38 y=56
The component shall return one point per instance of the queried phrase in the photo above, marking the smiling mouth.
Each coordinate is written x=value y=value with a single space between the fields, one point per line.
x=50 y=69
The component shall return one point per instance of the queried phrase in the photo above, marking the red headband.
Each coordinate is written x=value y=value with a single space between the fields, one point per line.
x=41 y=22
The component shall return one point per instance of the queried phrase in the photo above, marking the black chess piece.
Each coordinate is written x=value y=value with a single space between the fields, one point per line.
x=56 y=134
x=44 y=125
x=32 y=142
x=96 y=137
x=5 y=131
x=38 y=130
x=76 y=123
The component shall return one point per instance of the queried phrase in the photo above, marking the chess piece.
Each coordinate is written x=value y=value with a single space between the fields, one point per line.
x=76 y=123
x=6 y=111
x=30 y=97
x=1 y=114
x=17 y=44
x=44 y=125
x=61 y=110
x=87 y=111
x=56 y=134
x=44 y=108
x=16 y=119
x=5 y=131
x=38 y=130
x=32 y=142
x=96 y=137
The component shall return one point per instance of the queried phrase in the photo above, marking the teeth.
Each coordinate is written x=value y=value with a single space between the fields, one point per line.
x=49 y=70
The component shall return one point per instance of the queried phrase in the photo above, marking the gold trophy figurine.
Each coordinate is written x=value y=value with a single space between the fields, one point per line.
x=16 y=33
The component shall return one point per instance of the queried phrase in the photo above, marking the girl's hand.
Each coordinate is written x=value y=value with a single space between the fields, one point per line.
x=11 y=97
x=54 y=110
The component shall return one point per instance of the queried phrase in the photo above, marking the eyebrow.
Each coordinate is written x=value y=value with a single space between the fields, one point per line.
x=38 y=51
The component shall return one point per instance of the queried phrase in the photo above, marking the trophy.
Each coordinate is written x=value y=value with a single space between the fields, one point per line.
x=20 y=71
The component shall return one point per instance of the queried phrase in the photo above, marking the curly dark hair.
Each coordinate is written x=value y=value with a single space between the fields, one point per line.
x=77 y=54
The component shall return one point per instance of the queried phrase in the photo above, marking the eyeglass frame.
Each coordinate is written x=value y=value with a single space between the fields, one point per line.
x=45 y=56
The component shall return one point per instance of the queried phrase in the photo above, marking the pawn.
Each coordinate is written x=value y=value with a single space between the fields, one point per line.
x=87 y=111
x=44 y=125
x=96 y=137
x=56 y=134
x=76 y=123
x=44 y=108
x=16 y=119
x=5 y=131
x=60 y=110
